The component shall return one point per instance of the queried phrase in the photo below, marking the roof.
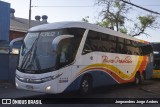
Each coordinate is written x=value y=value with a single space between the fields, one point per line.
x=85 y=25
x=22 y=25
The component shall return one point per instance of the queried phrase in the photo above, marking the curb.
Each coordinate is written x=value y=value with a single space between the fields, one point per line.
x=150 y=91
x=152 y=87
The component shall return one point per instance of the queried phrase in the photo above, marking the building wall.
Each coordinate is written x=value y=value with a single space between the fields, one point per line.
x=4 y=20
x=16 y=34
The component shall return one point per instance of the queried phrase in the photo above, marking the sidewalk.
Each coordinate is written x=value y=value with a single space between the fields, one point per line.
x=8 y=90
x=152 y=86
x=6 y=84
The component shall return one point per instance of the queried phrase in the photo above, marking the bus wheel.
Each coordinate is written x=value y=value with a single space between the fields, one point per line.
x=86 y=85
x=143 y=77
x=137 y=80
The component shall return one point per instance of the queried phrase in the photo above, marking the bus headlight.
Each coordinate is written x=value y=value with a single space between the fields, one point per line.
x=16 y=84
x=50 y=78
x=36 y=81
x=48 y=88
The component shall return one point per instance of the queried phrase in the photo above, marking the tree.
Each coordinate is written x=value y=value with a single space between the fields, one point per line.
x=85 y=19
x=145 y=22
x=115 y=17
x=114 y=13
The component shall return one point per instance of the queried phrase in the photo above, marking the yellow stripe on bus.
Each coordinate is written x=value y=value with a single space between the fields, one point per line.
x=114 y=69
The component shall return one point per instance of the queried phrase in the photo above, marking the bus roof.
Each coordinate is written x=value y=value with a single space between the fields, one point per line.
x=85 y=25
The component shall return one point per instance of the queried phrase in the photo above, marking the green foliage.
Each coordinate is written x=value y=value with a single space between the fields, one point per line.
x=85 y=19
x=115 y=14
x=146 y=20
x=123 y=30
x=103 y=23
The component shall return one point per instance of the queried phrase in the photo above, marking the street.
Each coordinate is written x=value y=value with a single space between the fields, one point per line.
x=150 y=89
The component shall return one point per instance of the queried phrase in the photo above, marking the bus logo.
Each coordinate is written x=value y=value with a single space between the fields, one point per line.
x=117 y=59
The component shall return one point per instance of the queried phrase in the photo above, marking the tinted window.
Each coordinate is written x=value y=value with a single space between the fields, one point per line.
x=121 y=46
x=136 y=48
x=112 y=44
x=104 y=43
x=129 y=47
x=92 y=42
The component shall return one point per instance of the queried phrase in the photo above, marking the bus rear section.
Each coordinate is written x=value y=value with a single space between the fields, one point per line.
x=156 y=58
x=115 y=60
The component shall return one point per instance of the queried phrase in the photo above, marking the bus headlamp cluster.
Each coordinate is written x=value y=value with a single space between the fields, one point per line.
x=48 y=78
x=42 y=80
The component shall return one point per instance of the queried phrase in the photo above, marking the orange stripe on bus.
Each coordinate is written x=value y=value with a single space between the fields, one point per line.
x=143 y=64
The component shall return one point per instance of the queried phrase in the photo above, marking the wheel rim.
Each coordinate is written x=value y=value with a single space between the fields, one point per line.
x=137 y=80
x=85 y=85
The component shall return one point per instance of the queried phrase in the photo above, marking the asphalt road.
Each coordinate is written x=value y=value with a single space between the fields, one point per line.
x=117 y=91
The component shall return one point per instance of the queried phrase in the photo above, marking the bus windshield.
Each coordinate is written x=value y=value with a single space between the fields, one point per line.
x=36 y=52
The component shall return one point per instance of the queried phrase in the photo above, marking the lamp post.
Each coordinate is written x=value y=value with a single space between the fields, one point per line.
x=30 y=13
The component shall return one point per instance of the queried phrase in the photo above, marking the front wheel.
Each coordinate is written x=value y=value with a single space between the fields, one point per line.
x=86 y=85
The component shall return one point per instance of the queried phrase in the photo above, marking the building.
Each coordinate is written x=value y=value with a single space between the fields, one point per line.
x=19 y=26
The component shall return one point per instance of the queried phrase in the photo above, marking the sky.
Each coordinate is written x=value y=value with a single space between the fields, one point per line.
x=75 y=10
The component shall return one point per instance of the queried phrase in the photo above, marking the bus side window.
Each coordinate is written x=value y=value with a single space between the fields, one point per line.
x=91 y=43
x=87 y=47
x=129 y=47
x=121 y=46
x=146 y=49
x=104 y=44
x=112 y=44
x=136 y=48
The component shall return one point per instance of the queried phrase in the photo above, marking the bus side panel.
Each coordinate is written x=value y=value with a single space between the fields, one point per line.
x=149 y=67
x=65 y=79
x=75 y=85
x=100 y=78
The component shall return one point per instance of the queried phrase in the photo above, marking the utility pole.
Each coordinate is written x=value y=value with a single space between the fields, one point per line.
x=30 y=13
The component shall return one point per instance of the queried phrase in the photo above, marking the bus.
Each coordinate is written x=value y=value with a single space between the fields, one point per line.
x=67 y=56
x=156 y=64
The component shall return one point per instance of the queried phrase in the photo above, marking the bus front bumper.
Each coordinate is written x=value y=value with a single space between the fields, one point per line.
x=46 y=87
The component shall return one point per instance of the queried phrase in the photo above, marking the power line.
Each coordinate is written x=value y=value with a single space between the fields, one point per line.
x=140 y=7
x=63 y=6
x=150 y=5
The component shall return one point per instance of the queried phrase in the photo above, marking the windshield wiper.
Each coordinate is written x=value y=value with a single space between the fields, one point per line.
x=26 y=56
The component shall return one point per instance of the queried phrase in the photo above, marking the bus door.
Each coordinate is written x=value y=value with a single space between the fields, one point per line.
x=62 y=45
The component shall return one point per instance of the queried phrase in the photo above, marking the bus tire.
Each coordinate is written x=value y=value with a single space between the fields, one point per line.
x=137 y=80
x=143 y=77
x=86 y=85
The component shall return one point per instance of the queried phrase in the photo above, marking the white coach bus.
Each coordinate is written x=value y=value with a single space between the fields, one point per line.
x=67 y=56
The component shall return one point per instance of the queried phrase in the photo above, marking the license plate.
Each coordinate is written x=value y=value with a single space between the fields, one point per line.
x=29 y=87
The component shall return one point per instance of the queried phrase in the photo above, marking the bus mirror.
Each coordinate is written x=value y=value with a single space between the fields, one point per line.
x=56 y=41
x=14 y=46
